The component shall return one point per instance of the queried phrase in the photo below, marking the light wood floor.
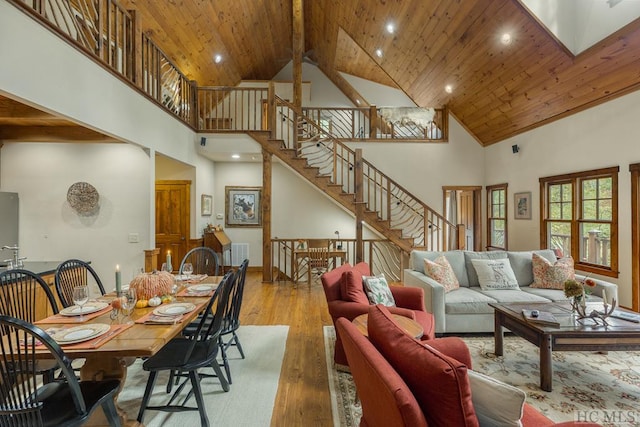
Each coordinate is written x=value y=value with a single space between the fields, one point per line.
x=303 y=392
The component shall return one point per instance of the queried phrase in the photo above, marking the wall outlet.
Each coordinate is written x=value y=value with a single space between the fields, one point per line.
x=219 y=216
x=134 y=238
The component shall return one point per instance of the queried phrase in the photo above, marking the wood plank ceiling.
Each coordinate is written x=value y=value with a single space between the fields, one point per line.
x=498 y=90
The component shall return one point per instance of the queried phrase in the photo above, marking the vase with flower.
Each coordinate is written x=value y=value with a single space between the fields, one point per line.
x=577 y=292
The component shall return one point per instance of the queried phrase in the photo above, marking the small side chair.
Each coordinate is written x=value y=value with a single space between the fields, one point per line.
x=72 y=273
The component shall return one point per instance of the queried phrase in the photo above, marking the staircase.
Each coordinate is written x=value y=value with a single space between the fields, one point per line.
x=354 y=183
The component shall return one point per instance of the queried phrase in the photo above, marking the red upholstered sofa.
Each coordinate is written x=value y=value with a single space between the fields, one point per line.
x=387 y=398
x=346 y=298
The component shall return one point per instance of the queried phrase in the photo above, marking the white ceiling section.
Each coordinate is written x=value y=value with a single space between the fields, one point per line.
x=579 y=24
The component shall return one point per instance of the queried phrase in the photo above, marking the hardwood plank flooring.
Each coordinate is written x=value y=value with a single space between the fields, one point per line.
x=303 y=392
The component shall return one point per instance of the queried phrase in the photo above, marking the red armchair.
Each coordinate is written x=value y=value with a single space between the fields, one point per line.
x=387 y=400
x=346 y=298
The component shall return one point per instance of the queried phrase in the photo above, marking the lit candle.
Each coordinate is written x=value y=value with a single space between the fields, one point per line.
x=169 y=266
x=583 y=300
x=118 y=280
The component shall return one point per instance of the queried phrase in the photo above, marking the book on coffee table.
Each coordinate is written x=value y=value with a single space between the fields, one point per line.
x=544 y=318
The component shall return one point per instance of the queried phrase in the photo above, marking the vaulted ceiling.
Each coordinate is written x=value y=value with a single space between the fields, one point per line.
x=497 y=90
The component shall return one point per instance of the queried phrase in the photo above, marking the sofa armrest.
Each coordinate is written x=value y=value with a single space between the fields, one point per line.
x=403 y=312
x=408 y=297
x=348 y=309
x=611 y=288
x=452 y=347
x=433 y=295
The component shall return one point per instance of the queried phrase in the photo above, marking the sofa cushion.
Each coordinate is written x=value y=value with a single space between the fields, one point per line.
x=352 y=286
x=471 y=272
x=468 y=301
x=378 y=290
x=522 y=264
x=497 y=404
x=495 y=274
x=551 y=275
x=439 y=383
x=440 y=270
x=512 y=295
x=455 y=258
x=332 y=282
x=550 y=294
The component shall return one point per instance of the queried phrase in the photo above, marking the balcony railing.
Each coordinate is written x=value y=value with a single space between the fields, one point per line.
x=593 y=248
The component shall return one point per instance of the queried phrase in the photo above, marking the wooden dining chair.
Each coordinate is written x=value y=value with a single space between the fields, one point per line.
x=317 y=258
x=23 y=294
x=204 y=261
x=185 y=356
x=72 y=273
x=24 y=401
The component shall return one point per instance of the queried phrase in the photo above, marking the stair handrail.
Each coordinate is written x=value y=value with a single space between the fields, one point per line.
x=334 y=158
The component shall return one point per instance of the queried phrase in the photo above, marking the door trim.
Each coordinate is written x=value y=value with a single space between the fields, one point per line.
x=477 y=210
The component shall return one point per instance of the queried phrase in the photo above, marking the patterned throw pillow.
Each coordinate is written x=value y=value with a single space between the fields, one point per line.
x=440 y=270
x=551 y=276
x=495 y=274
x=378 y=290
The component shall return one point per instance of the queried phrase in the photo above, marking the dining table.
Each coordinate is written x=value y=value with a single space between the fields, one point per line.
x=109 y=355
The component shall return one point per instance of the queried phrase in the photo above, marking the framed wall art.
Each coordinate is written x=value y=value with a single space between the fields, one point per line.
x=243 y=206
x=206 y=202
x=522 y=205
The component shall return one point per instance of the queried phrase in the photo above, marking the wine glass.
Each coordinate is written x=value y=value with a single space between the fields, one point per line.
x=128 y=303
x=187 y=269
x=166 y=267
x=80 y=298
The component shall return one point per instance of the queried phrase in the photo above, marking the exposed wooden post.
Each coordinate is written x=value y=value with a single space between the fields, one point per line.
x=298 y=49
x=267 y=164
x=358 y=180
x=373 y=121
x=151 y=259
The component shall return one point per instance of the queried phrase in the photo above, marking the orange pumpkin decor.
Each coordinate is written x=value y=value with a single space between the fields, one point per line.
x=149 y=285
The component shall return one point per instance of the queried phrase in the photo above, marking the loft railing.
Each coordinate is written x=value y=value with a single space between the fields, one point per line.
x=164 y=82
x=594 y=249
x=425 y=227
x=382 y=256
x=368 y=124
x=232 y=109
x=102 y=28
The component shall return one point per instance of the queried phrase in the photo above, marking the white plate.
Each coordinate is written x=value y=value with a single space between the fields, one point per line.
x=174 y=309
x=80 y=333
x=201 y=288
x=90 y=307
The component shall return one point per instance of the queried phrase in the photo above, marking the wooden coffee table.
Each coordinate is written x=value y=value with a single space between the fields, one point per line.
x=619 y=335
x=410 y=326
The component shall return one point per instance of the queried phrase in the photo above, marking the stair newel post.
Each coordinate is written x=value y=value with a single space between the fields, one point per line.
x=359 y=190
x=271 y=120
x=267 y=162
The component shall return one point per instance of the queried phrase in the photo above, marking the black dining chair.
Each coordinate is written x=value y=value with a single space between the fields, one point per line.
x=231 y=320
x=24 y=401
x=22 y=295
x=184 y=356
x=72 y=273
x=204 y=261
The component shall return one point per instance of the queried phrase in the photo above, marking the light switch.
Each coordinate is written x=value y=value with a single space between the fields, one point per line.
x=134 y=238
x=219 y=216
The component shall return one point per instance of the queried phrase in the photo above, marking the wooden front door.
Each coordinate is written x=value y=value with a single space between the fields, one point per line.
x=173 y=212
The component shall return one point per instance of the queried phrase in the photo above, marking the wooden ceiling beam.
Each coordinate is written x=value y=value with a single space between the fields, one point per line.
x=52 y=134
x=10 y=109
x=298 y=50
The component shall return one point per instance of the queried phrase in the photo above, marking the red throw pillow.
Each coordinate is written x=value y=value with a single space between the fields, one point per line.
x=352 y=289
x=439 y=383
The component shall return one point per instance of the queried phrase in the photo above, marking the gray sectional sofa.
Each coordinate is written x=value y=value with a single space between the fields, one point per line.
x=467 y=309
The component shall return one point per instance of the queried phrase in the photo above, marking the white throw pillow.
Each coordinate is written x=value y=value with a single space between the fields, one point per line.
x=495 y=274
x=378 y=291
x=496 y=404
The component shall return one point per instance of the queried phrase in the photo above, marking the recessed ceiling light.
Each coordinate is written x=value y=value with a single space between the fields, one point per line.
x=379 y=53
x=235 y=156
x=448 y=88
x=217 y=58
x=390 y=28
x=358 y=101
x=505 y=39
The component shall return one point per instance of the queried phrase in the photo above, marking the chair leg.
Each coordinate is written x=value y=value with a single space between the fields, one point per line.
x=197 y=391
x=110 y=411
x=147 y=395
x=225 y=361
x=235 y=341
x=220 y=375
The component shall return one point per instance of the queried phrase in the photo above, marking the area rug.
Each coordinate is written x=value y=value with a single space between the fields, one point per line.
x=598 y=387
x=250 y=400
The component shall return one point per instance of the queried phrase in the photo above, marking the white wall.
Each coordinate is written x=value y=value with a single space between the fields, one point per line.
x=323 y=92
x=50 y=230
x=600 y=137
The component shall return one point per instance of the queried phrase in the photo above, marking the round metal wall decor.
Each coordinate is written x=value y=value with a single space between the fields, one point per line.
x=83 y=198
